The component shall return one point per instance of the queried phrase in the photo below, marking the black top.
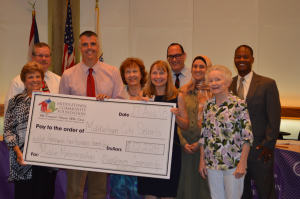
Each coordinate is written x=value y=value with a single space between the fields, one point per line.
x=164 y=187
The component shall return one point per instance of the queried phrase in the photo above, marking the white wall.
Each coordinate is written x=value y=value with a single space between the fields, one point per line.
x=144 y=28
x=279 y=42
x=15 y=24
x=291 y=126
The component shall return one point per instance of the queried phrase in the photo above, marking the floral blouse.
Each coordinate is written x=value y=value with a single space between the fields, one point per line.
x=224 y=131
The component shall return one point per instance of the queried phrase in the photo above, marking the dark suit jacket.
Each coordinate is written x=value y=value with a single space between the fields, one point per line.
x=264 y=110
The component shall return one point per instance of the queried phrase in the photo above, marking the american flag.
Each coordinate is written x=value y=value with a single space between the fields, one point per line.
x=69 y=50
x=33 y=37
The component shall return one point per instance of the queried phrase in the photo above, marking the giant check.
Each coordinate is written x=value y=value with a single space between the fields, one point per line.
x=114 y=136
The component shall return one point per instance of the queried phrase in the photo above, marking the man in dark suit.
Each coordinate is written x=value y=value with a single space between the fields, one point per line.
x=262 y=97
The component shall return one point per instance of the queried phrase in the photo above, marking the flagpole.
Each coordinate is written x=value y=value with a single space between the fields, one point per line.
x=33 y=8
x=32 y=4
x=98 y=30
x=67 y=6
x=34 y=35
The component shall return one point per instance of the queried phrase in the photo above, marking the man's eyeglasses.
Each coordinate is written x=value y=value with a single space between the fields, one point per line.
x=41 y=56
x=177 y=56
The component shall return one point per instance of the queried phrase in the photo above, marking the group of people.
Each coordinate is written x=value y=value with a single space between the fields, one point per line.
x=225 y=132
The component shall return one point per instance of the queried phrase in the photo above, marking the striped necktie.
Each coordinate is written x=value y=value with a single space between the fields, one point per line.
x=177 y=82
x=45 y=87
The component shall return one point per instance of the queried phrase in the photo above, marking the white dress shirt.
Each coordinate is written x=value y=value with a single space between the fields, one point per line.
x=107 y=80
x=246 y=83
x=184 y=77
x=17 y=86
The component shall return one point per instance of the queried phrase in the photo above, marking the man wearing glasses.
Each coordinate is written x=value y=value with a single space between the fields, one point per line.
x=41 y=53
x=176 y=57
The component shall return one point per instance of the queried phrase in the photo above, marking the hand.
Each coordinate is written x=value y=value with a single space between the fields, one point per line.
x=44 y=106
x=202 y=169
x=195 y=147
x=145 y=99
x=240 y=170
x=101 y=97
x=52 y=106
x=197 y=85
x=20 y=159
x=175 y=111
x=268 y=153
x=186 y=148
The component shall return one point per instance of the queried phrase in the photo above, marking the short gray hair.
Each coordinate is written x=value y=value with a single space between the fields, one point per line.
x=226 y=73
x=39 y=45
x=87 y=33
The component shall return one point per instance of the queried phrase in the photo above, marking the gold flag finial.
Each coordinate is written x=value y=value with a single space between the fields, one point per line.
x=32 y=4
x=33 y=7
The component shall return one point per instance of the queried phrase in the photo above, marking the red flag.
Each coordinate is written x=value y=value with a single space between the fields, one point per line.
x=33 y=37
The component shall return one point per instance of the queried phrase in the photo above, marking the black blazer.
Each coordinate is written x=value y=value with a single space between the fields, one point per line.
x=265 y=112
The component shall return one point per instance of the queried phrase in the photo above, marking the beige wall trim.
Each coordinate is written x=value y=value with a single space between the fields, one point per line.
x=56 y=30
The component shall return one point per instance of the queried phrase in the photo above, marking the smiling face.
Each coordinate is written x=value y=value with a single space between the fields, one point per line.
x=159 y=77
x=217 y=83
x=243 y=61
x=132 y=75
x=42 y=55
x=176 y=64
x=89 y=49
x=198 y=70
x=33 y=82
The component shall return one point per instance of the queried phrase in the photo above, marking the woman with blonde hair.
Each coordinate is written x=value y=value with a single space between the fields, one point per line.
x=160 y=86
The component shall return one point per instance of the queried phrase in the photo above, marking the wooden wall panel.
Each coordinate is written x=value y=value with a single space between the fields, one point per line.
x=290 y=112
x=1 y=109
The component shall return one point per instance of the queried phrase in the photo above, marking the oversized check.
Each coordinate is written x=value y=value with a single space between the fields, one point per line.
x=113 y=136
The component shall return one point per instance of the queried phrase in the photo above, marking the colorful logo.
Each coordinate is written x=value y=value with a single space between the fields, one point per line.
x=48 y=106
